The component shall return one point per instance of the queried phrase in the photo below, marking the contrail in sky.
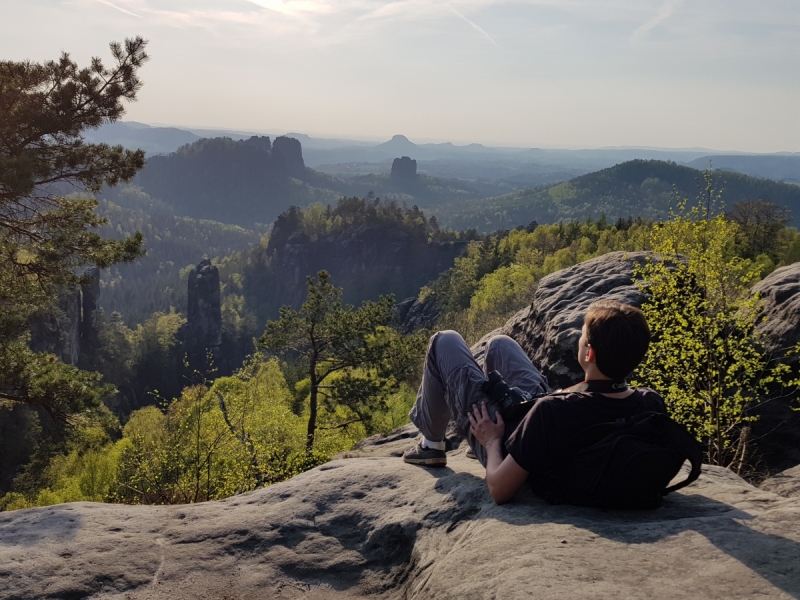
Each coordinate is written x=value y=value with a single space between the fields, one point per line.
x=474 y=25
x=664 y=13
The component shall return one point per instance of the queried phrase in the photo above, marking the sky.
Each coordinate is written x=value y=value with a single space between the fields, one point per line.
x=719 y=74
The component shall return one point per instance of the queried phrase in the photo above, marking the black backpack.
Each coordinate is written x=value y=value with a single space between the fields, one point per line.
x=625 y=464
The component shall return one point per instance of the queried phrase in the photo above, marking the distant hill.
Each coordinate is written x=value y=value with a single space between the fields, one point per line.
x=505 y=175
x=242 y=182
x=634 y=188
x=132 y=135
x=780 y=167
x=584 y=160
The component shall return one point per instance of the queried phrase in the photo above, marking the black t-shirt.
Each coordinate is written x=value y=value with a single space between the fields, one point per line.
x=549 y=430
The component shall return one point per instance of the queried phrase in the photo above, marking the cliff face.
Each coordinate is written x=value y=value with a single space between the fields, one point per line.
x=370 y=261
x=70 y=331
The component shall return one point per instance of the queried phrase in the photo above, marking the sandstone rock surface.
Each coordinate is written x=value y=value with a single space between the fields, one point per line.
x=785 y=484
x=548 y=330
x=372 y=526
x=412 y=314
x=778 y=429
x=780 y=291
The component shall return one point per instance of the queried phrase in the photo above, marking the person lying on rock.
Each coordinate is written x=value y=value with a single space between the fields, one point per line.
x=613 y=342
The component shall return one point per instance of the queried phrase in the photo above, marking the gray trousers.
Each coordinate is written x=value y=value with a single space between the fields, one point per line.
x=451 y=384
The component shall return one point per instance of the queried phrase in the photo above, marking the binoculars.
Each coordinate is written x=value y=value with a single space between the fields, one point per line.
x=503 y=394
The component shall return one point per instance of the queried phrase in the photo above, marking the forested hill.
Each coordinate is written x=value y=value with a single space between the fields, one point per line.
x=243 y=182
x=370 y=247
x=638 y=188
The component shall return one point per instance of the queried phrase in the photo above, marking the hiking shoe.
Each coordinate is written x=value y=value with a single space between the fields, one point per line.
x=429 y=457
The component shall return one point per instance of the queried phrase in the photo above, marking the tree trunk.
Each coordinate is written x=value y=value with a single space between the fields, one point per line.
x=312 y=409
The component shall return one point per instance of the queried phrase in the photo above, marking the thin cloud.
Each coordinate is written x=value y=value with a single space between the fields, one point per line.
x=119 y=8
x=664 y=13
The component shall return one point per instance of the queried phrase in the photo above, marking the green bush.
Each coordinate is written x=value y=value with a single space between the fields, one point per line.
x=706 y=357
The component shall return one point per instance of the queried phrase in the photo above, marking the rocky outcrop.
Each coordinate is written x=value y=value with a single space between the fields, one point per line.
x=412 y=314
x=372 y=526
x=778 y=427
x=244 y=182
x=204 y=318
x=261 y=143
x=780 y=291
x=404 y=169
x=71 y=330
x=549 y=329
x=366 y=262
x=786 y=483
x=90 y=295
x=292 y=152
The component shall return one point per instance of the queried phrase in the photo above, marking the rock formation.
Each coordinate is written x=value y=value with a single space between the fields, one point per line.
x=548 y=330
x=404 y=169
x=367 y=262
x=780 y=291
x=244 y=182
x=778 y=428
x=261 y=143
x=90 y=295
x=412 y=314
x=293 y=153
x=71 y=330
x=372 y=526
x=204 y=318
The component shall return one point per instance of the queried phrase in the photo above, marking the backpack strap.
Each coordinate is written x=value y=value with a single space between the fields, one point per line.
x=691 y=448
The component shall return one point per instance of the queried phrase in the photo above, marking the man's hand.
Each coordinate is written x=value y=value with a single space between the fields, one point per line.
x=503 y=476
x=486 y=431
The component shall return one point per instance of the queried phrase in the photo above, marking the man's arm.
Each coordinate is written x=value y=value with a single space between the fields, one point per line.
x=503 y=476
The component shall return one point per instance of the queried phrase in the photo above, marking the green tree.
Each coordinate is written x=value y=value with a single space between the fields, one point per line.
x=45 y=236
x=706 y=357
x=760 y=224
x=351 y=357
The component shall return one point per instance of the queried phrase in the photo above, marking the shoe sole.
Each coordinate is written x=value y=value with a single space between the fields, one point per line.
x=428 y=462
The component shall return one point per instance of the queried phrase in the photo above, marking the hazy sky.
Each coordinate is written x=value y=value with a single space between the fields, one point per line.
x=574 y=73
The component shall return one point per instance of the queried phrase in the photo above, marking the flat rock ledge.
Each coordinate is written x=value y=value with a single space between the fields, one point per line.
x=370 y=525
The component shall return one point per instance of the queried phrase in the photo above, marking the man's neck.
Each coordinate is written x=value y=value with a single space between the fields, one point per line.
x=591 y=373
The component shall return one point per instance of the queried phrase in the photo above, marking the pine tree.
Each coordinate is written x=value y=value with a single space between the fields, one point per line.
x=352 y=357
x=45 y=236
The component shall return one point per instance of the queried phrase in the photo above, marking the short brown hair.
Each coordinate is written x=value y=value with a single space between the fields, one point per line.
x=619 y=335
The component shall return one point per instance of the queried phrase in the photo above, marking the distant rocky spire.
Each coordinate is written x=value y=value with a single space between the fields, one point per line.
x=292 y=151
x=404 y=169
x=204 y=322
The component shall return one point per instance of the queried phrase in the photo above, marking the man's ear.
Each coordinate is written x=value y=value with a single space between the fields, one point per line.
x=590 y=355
